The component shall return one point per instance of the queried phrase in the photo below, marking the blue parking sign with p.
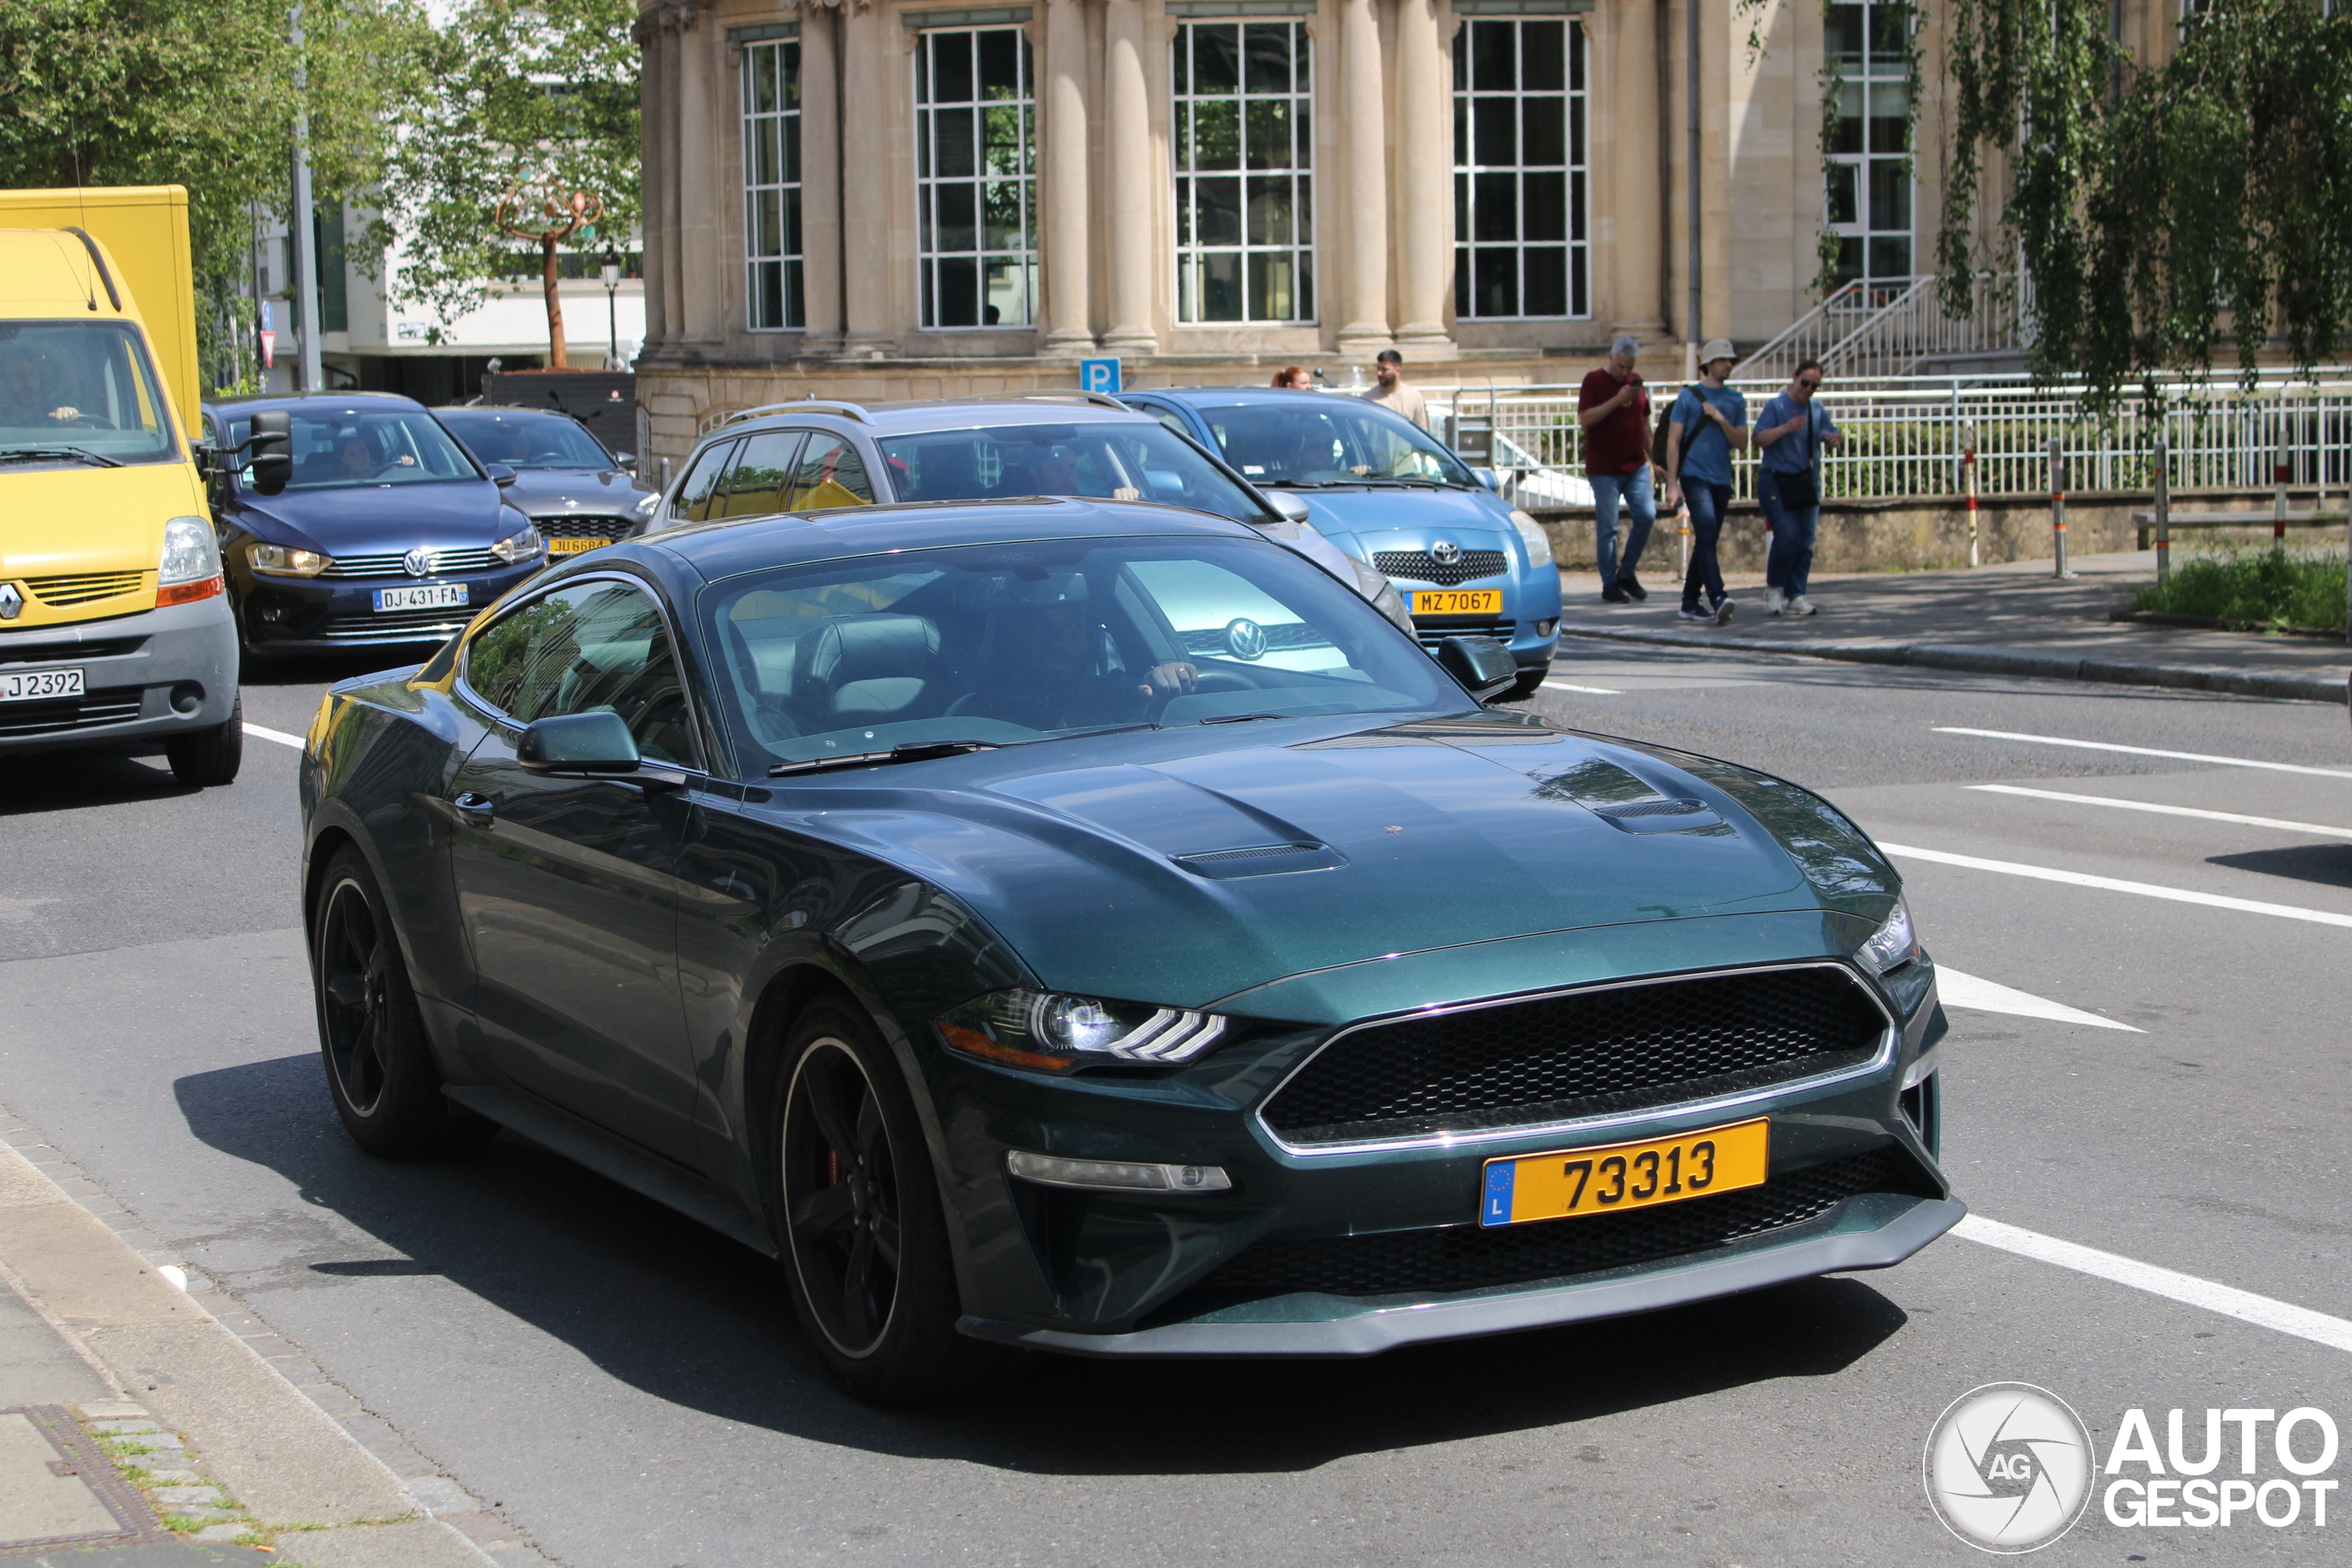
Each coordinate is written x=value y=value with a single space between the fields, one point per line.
x=1098 y=375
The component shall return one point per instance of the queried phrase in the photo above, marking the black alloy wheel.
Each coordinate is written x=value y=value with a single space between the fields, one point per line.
x=841 y=1186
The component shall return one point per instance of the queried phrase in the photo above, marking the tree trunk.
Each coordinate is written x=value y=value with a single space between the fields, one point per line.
x=555 y=304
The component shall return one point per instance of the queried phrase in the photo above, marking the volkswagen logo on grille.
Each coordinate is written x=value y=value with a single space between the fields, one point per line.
x=422 y=560
x=12 y=604
x=1445 y=552
x=1245 y=640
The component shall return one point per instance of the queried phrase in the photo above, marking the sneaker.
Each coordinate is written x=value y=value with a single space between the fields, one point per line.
x=1724 y=607
x=1692 y=612
x=1801 y=605
x=1774 y=600
x=1612 y=594
x=1631 y=586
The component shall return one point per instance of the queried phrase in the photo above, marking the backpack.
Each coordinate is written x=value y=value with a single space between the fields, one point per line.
x=1657 y=436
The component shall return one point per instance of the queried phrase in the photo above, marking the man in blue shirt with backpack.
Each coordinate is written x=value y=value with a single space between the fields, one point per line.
x=1708 y=421
x=1792 y=432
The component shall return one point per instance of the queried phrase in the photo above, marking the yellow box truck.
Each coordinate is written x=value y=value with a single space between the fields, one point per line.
x=113 y=628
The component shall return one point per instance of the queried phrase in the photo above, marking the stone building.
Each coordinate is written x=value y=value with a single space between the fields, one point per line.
x=913 y=198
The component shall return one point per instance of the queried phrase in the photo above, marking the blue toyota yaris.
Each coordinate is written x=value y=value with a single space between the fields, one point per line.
x=1387 y=492
x=388 y=532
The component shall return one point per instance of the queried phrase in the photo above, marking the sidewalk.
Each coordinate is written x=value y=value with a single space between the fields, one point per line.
x=2012 y=619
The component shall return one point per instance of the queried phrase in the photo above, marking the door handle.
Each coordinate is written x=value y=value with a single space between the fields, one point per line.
x=476 y=809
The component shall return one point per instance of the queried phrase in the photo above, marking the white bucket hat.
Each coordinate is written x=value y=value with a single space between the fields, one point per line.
x=1716 y=348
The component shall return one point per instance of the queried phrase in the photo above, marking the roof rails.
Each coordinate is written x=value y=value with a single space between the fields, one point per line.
x=1041 y=394
x=803 y=405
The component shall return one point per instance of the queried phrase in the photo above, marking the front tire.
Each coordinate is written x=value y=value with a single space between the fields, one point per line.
x=863 y=1235
x=208 y=756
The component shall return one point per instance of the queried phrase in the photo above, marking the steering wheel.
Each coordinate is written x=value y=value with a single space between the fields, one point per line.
x=1222 y=680
x=88 y=422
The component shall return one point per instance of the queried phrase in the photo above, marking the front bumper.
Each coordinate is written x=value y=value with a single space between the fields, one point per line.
x=146 y=678
x=317 y=615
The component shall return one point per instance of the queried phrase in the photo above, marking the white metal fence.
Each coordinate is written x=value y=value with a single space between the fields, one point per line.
x=1905 y=438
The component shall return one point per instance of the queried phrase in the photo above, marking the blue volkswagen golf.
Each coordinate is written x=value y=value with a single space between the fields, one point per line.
x=1382 y=490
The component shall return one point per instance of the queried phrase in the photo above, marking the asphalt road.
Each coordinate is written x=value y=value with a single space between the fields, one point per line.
x=626 y=1390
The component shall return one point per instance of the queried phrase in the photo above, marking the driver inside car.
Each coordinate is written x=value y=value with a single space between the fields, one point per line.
x=24 y=390
x=1052 y=665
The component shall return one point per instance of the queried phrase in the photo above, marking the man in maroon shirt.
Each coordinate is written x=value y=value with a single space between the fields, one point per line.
x=1614 y=408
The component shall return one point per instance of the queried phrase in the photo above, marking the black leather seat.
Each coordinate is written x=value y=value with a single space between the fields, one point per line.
x=870 y=670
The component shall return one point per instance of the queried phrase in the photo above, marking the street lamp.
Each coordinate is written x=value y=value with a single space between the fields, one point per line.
x=612 y=275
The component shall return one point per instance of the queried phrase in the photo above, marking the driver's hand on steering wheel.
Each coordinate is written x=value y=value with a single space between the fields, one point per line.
x=1175 y=678
x=64 y=411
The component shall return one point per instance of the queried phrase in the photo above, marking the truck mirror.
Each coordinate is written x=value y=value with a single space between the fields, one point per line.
x=270 y=451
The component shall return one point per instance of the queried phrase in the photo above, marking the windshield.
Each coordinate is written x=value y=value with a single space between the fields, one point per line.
x=86 y=387
x=1001 y=644
x=1329 y=440
x=349 y=447
x=1124 y=461
x=526 y=440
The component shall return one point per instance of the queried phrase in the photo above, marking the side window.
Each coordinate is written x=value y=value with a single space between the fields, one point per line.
x=755 y=488
x=701 y=486
x=1172 y=420
x=593 y=646
x=830 y=474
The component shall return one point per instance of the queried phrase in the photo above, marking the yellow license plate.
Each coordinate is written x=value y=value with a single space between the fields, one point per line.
x=1616 y=1177
x=1456 y=601
x=575 y=546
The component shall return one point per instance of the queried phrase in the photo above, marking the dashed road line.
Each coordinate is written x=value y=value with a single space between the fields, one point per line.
x=2167 y=810
x=2263 y=1311
x=258 y=733
x=2115 y=885
x=1596 y=691
x=1955 y=990
x=2142 y=751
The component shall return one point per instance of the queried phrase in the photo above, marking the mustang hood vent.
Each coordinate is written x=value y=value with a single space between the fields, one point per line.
x=1262 y=860
x=1659 y=816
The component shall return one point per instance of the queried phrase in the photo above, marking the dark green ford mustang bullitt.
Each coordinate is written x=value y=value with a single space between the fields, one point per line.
x=1087 y=926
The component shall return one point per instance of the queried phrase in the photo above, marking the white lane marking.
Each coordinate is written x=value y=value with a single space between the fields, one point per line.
x=2142 y=751
x=258 y=733
x=2167 y=810
x=2227 y=1300
x=2115 y=884
x=1596 y=691
x=1958 y=990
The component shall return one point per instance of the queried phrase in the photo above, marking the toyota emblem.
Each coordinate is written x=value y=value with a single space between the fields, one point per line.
x=422 y=560
x=1445 y=552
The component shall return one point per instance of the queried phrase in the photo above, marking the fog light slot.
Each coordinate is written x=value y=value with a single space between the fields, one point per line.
x=1115 y=1176
x=187 y=697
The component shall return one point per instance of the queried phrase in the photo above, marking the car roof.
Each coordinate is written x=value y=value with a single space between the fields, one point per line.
x=374 y=402
x=727 y=548
x=533 y=411
x=1241 y=394
x=922 y=416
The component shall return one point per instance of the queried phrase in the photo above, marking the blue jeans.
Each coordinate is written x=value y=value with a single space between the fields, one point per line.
x=1634 y=489
x=1708 y=500
x=1790 y=561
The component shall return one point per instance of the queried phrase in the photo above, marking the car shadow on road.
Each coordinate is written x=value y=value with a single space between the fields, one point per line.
x=694 y=1319
x=2330 y=865
x=78 y=780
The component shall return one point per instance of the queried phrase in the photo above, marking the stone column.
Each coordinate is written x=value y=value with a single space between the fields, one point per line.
x=1363 y=200
x=1134 y=236
x=1424 y=184
x=820 y=180
x=654 y=141
x=1636 y=185
x=868 y=58
x=703 y=181
x=1067 y=320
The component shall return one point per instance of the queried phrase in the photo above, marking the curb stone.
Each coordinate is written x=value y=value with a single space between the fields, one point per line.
x=1969 y=658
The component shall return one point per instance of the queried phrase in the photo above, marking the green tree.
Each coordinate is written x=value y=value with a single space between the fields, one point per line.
x=2159 y=212
x=529 y=98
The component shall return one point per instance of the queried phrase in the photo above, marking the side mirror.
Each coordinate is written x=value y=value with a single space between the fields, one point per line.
x=1488 y=478
x=1483 y=665
x=270 y=450
x=579 y=743
x=1289 y=504
x=624 y=461
x=500 y=474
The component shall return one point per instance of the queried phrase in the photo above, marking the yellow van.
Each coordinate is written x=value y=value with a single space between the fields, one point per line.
x=113 y=628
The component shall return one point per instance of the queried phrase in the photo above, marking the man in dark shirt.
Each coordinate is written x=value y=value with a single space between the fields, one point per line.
x=1614 y=408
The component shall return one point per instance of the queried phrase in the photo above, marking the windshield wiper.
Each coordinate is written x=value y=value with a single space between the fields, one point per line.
x=35 y=454
x=1244 y=718
x=906 y=751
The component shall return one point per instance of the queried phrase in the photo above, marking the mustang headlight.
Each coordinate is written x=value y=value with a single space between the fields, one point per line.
x=1531 y=533
x=1053 y=1033
x=279 y=561
x=519 y=546
x=1892 y=944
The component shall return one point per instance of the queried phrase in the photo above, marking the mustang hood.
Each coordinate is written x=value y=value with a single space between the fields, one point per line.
x=1185 y=872
x=367 y=519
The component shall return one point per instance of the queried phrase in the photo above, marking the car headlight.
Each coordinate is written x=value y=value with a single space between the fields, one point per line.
x=1383 y=595
x=1893 y=945
x=648 y=502
x=519 y=546
x=280 y=561
x=191 y=553
x=1052 y=1032
x=1530 y=532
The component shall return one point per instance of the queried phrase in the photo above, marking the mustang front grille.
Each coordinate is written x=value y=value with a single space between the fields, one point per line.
x=1460 y=1257
x=395 y=564
x=1589 y=1053
x=1423 y=567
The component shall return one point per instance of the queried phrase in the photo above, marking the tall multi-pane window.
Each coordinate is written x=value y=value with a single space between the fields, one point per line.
x=1245 y=172
x=772 y=184
x=1522 y=247
x=976 y=219
x=1870 y=180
